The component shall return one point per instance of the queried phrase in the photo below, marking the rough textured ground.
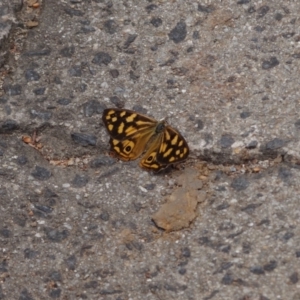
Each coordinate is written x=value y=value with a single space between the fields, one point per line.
x=77 y=224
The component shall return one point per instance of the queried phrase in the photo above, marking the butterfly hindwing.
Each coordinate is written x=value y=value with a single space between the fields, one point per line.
x=149 y=159
x=132 y=147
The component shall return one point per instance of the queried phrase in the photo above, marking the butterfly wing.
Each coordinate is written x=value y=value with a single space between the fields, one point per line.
x=130 y=132
x=149 y=159
x=124 y=123
x=132 y=147
x=168 y=147
x=173 y=148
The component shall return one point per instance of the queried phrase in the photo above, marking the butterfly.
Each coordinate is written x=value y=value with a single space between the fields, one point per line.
x=132 y=134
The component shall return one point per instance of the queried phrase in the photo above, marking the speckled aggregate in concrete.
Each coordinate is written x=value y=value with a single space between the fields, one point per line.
x=226 y=75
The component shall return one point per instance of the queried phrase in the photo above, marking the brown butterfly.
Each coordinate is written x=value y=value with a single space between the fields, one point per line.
x=131 y=133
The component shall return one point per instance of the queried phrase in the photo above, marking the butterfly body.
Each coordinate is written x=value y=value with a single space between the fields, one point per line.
x=132 y=133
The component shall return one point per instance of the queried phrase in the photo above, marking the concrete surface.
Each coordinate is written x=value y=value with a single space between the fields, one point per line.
x=77 y=224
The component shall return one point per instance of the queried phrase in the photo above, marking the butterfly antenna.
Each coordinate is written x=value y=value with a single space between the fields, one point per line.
x=165 y=120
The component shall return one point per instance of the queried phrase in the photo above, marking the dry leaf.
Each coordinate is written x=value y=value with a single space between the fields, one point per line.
x=31 y=2
x=31 y=24
x=26 y=139
x=180 y=209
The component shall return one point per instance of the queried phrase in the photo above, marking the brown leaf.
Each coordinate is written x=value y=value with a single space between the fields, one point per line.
x=31 y=2
x=180 y=209
x=26 y=139
x=31 y=24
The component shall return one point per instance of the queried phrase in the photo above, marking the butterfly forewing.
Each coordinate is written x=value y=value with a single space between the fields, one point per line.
x=123 y=123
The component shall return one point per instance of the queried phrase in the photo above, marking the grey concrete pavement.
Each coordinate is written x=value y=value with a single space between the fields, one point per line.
x=77 y=224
